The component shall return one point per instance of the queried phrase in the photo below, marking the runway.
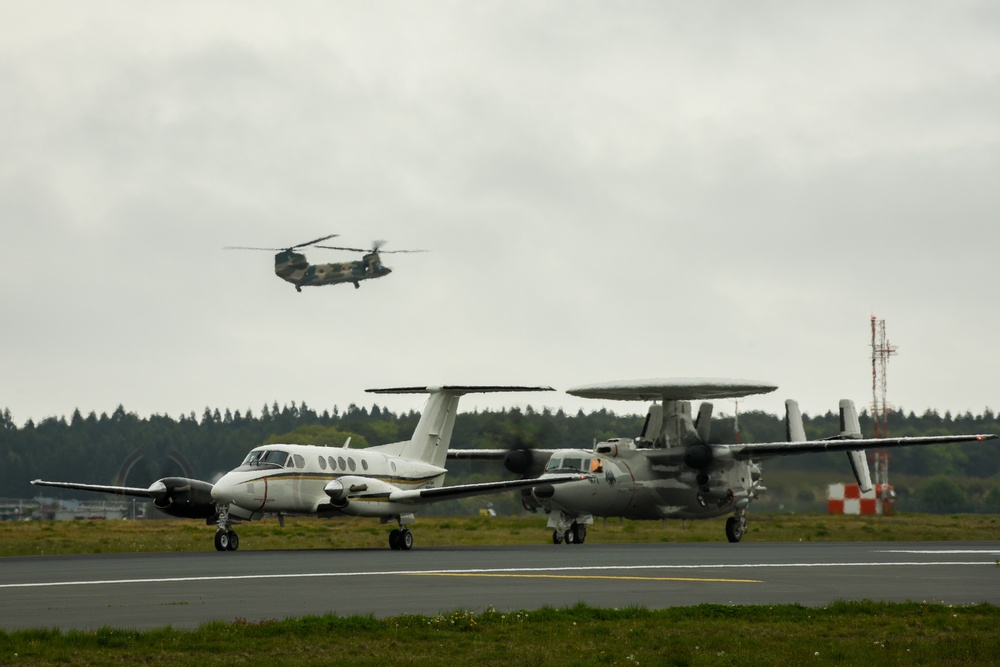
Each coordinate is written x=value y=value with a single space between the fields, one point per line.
x=185 y=590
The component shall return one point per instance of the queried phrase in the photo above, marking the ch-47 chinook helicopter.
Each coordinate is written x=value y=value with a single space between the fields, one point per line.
x=672 y=471
x=390 y=482
x=295 y=268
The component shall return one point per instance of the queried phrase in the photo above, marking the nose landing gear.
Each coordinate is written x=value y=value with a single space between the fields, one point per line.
x=226 y=538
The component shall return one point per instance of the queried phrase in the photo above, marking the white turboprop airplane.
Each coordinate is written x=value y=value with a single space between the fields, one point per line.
x=390 y=482
x=671 y=471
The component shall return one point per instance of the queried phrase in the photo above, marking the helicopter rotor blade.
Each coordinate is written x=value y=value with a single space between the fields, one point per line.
x=333 y=247
x=303 y=245
x=290 y=248
x=376 y=247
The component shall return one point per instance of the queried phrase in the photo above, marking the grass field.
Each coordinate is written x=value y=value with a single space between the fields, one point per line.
x=845 y=633
x=854 y=633
x=28 y=538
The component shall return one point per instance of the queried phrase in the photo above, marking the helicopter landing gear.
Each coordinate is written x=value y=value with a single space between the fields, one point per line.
x=226 y=538
x=736 y=526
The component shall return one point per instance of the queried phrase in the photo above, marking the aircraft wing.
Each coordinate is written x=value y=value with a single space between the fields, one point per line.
x=469 y=490
x=477 y=454
x=490 y=454
x=100 y=488
x=764 y=450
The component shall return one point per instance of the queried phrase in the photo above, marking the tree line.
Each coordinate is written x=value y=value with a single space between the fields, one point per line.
x=100 y=449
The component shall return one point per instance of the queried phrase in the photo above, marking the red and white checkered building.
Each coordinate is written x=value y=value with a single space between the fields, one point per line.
x=848 y=499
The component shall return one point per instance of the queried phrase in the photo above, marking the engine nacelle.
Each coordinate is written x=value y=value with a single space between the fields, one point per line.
x=184 y=498
x=356 y=495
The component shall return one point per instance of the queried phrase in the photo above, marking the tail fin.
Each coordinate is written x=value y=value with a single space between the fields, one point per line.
x=654 y=422
x=432 y=436
x=794 y=431
x=850 y=428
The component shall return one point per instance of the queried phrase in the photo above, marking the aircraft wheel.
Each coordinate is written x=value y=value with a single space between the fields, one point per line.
x=405 y=540
x=234 y=540
x=394 y=539
x=569 y=536
x=580 y=532
x=734 y=529
x=556 y=537
x=221 y=540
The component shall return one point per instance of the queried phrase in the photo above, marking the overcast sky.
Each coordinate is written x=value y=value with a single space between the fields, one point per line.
x=609 y=190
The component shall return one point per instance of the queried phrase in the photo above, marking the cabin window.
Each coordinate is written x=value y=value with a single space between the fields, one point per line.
x=333 y=464
x=342 y=463
x=300 y=461
x=351 y=465
x=364 y=464
x=322 y=463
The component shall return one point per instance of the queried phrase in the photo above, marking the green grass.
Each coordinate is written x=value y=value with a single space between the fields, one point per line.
x=854 y=633
x=74 y=537
x=844 y=633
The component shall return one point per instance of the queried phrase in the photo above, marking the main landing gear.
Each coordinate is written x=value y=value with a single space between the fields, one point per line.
x=400 y=539
x=575 y=534
x=226 y=538
x=736 y=526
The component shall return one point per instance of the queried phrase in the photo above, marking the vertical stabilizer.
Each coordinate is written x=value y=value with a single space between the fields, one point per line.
x=794 y=431
x=850 y=428
x=432 y=436
x=654 y=421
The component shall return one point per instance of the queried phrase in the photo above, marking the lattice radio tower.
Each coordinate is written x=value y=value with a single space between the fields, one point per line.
x=881 y=351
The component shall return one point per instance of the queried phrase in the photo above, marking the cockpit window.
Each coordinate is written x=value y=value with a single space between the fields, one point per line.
x=275 y=456
x=572 y=463
x=252 y=458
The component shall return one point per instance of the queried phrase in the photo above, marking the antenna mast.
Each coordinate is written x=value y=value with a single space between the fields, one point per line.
x=881 y=351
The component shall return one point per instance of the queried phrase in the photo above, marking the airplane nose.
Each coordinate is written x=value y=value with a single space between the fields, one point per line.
x=222 y=491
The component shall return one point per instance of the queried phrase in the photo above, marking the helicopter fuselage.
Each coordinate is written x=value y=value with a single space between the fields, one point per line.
x=296 y=269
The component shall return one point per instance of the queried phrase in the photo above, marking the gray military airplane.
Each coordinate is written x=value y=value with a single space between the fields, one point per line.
x=672 y=471
x=390 y=482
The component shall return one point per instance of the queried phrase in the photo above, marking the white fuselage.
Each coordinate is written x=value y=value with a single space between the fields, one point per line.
x=308 y=479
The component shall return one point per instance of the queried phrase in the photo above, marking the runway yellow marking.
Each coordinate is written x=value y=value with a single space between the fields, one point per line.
x=585 y=576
